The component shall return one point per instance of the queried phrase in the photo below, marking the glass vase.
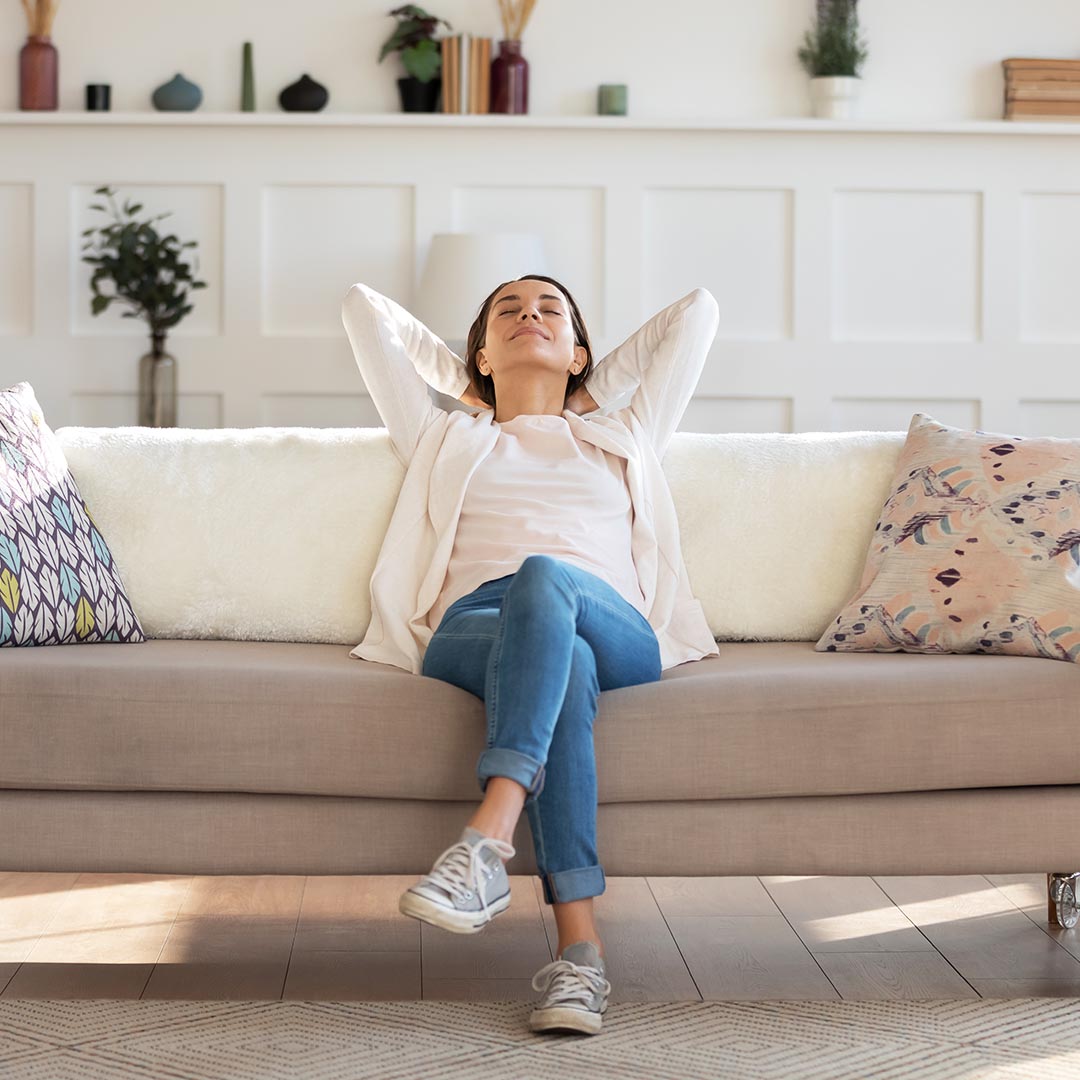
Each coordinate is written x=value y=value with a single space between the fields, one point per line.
x=157 y=389
x=38 y=73
x=509 y=79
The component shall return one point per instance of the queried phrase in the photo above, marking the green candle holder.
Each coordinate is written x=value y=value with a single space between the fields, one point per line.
x=611 y=99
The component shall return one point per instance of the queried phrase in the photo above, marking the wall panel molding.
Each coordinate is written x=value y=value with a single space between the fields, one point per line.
x=863 y=271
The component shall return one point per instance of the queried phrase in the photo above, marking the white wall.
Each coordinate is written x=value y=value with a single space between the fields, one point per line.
x=863 y=274
x=692 y=58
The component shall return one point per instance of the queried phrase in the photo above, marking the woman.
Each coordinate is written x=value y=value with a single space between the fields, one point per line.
x=549 y=562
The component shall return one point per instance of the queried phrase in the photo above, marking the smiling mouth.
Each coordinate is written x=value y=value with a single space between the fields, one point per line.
x=522 y=333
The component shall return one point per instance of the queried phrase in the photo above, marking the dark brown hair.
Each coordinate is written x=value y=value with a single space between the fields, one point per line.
x=484 y=385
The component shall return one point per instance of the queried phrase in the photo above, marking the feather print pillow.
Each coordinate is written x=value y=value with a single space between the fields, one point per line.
x=977 y=550
x=59 y=584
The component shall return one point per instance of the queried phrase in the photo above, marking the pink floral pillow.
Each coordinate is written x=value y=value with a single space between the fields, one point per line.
x=977 y=550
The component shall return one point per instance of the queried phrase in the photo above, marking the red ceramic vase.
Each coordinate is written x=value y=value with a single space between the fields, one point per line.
x=38 y=68
x=509 y=79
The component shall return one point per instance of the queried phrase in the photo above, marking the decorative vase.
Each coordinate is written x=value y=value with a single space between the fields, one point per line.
x=247 y=82
x=417 y=96
x=38 y=71
x=835 y=97
x=509 y=79
x=304 y=95
x=157 y=387
x=177 y=95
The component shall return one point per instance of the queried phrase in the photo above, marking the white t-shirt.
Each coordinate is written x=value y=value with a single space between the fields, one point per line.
x=542 y=491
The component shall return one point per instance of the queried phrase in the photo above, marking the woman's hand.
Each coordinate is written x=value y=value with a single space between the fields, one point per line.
x=581 y=401
x=469 y=398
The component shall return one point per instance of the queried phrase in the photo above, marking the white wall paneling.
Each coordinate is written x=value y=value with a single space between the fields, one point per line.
x=863 y=271
x=1050 y=240
x=16 y=257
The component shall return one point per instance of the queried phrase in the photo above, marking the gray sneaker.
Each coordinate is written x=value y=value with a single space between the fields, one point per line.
x=575 y=991
x=466 y=888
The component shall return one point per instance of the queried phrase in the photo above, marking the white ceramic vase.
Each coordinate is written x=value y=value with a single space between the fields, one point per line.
x=835 y=97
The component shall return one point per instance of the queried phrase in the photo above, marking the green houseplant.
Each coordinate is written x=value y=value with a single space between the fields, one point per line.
x=833 y=53
x=421 y=56
x=148 y=274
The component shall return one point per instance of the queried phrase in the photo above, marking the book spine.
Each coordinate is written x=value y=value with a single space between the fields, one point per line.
x=485 y=76
x=1043 y=118
x=1043 y=92
x=1047 y=108
x=444 y=47
x=452 y=89
x=1021 y=63
x=463 y=100
x=1062 y=78
x=474 y=76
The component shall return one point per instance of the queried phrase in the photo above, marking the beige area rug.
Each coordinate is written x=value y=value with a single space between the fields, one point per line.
x=450 y=1040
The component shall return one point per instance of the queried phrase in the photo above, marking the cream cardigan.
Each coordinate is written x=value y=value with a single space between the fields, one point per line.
x=399 y=357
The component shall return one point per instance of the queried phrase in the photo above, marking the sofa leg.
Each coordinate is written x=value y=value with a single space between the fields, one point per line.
x=1061 y=901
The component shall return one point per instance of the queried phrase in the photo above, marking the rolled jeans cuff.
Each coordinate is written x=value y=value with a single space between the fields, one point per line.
x=565 y=885
x=526 y=770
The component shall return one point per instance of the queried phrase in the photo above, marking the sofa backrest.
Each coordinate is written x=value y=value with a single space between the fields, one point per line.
x=272 y=533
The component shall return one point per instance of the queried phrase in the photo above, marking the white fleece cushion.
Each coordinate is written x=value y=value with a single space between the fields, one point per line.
x=775 y=527
x=272 y=533
x=261 y=534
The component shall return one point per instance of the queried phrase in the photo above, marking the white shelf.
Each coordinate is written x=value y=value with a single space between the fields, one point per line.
x=199 y=118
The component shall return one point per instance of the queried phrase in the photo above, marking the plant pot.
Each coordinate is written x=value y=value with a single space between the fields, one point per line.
x=157 y=389
x=417 y=96
x=38 y=73
x=835 y=97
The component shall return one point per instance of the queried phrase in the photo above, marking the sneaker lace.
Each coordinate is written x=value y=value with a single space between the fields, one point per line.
x=563 y=980
x=457 y=868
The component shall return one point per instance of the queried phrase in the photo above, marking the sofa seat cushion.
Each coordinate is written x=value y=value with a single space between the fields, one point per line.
x=761 y=719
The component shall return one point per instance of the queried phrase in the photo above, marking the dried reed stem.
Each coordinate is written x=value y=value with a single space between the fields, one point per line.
x=39 y=16
x=49 y=7
x=515 y=15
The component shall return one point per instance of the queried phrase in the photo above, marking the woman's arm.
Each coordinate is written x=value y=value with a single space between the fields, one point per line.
x=399 y=357
x=664 y=360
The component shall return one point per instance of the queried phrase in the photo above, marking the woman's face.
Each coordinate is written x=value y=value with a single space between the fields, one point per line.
x=529 y=327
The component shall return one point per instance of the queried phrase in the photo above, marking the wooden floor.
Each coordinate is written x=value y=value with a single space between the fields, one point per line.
x=666 y=939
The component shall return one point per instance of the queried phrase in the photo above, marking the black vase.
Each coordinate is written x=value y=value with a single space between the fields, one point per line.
x=417 y=96
x=304 y=95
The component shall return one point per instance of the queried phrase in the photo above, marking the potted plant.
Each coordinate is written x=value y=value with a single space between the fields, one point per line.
x=421 y=56
x=148 y=274
x=833 y=54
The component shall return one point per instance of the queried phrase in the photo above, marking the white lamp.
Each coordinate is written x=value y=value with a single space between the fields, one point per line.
x=462 y=268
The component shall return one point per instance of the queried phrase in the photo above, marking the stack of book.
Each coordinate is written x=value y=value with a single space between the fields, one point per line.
x=466 y=74
x=1042 y=89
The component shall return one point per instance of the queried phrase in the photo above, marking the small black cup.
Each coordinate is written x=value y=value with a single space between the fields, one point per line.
x=97 y=97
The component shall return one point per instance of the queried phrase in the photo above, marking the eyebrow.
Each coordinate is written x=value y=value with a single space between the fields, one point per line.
x=514 y=296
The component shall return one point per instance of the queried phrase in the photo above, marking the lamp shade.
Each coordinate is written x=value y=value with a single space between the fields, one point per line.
x=462 y=268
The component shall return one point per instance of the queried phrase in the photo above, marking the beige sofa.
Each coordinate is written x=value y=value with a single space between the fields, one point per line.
x=243 y=738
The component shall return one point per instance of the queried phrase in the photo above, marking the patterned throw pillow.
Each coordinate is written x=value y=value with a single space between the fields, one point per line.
x=977 y=550
x=59 y=584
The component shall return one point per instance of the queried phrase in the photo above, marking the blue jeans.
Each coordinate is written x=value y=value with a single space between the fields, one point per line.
x=537 y=647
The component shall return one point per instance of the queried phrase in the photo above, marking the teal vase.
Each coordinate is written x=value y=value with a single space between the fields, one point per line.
x=177 y=95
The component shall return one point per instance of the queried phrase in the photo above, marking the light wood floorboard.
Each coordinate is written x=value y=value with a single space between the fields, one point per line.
x=665 y=939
